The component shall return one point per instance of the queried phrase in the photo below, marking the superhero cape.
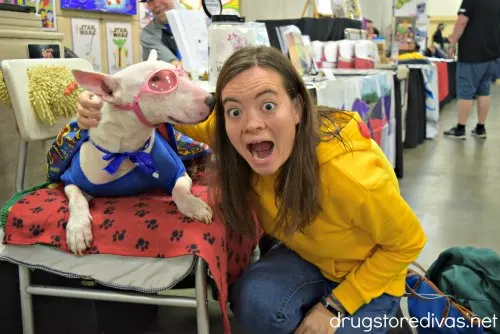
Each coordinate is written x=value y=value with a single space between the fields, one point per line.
x=71 y=137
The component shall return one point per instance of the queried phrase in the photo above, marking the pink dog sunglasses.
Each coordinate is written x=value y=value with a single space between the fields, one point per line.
x=163 y=81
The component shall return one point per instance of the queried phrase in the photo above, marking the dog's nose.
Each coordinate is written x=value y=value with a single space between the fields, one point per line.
x=210 y=101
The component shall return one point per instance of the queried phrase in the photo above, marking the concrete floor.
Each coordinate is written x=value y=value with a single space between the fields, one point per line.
x=453 y=187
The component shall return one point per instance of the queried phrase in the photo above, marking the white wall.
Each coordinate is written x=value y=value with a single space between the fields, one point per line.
x=271 y=9
x=443 y=7
x=380 y=11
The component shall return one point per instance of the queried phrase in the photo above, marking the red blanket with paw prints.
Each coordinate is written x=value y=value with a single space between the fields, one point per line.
x=146 y=226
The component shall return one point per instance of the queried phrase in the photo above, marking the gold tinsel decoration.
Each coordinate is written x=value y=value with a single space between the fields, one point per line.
x=52 y=92
x=4 y=93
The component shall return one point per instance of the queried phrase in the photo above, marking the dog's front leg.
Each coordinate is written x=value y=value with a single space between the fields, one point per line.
x=187 y=203
x=78 y=229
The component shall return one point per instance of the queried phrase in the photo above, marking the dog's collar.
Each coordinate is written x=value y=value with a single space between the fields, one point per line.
x=139 y=158
x=134 y=106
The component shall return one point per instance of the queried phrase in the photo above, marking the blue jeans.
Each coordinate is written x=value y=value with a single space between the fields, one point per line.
x=274 y=294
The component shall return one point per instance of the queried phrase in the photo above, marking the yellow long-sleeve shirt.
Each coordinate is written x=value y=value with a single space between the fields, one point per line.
x=365 y=234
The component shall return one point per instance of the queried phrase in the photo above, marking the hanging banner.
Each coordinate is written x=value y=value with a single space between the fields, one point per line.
x=119 y=45
x=87 y=41
x=405 y=8
x=226 y=4
x=422 y=24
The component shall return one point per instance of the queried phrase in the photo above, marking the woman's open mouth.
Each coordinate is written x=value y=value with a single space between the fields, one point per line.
x=261 y=150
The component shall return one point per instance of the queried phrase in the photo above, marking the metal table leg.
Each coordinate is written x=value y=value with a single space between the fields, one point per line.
x=201 y=297
x=26 y=301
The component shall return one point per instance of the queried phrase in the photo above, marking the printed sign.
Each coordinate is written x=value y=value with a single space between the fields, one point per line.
x=119 y=45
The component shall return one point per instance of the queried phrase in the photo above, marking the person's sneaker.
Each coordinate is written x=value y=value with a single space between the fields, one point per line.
x=455 y=133
x=480 y=133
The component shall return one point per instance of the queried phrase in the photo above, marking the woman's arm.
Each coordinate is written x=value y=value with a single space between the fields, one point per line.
x=394 y=227
x=201 y=132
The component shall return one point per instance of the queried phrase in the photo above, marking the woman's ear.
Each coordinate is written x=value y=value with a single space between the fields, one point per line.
x=298 y=102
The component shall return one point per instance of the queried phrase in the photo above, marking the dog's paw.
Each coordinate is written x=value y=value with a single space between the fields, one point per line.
x=79 y=233
x=195 y=208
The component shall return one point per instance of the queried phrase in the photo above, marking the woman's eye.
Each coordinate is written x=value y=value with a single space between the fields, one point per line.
x=234 y=113
x=269 y=106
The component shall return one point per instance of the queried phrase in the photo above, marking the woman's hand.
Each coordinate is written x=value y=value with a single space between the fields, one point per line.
x=318 y=321
x=88 y=110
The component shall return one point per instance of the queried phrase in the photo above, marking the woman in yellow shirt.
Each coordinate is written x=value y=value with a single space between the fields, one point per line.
x=320 y=185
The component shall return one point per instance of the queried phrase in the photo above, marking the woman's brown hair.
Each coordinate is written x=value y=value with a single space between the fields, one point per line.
x=296 y=187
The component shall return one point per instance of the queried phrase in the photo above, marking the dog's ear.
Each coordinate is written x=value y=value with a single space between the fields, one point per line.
x=153 y=55
x=103 y=85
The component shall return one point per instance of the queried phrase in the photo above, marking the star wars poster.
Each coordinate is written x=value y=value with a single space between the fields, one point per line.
x=119 y=45
x=87 y=41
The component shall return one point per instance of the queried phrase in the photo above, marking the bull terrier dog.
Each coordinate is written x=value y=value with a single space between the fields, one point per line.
x=125 y=155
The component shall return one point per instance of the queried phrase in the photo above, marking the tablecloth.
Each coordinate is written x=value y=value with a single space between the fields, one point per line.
x=431 y=89
x=372 y=96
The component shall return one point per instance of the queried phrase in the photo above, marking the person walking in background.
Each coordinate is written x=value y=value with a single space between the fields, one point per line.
x=477 y=31
x=438 y=36
x=158 y=35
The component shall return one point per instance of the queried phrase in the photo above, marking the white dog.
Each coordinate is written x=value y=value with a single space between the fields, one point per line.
x=125 y=155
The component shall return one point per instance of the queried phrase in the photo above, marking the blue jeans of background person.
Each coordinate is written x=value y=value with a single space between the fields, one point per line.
x=274 y=294
x=474 y=79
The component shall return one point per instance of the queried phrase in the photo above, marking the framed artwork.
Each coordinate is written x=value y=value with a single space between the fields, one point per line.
x=126 y=7
x=44 y=51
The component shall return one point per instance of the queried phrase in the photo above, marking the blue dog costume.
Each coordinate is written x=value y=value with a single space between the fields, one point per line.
x=158 y=169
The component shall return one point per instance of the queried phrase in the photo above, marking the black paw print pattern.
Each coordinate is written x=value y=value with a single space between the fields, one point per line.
x=142 y=244
x=36 y=193
x=193 y=249
x=17 y=223
x=223 y=244
x=171 y=212
x=7 y=238
x=141 y=213
x=160 y=256
x=55 y=241
x=187 y=220
x=237 y=258
x=177 y=235
x=209 y=238
x=218 y=262
x=229 y=254
x=119 y=236
x=141 y=205
x=62 y=223
x=37 y=210
x=23 y=201
x=36 y=230
x=106 y=224
x=50 y=200
x=109 y=210
x=51 y=193
x=65 y=202
x=93 y=250
x=62 y=209
x=152 y=224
